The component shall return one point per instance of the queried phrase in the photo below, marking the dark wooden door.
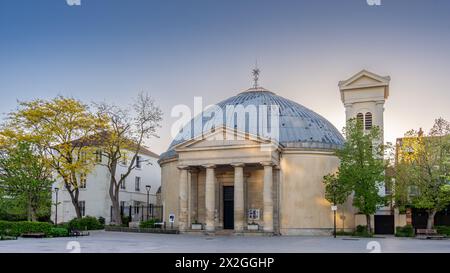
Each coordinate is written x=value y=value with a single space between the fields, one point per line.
x=384 y=224
x=228 y=207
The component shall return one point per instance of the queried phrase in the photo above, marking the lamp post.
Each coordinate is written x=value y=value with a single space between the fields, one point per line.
x=56 y=205
x=334 y=208
x=148 y=187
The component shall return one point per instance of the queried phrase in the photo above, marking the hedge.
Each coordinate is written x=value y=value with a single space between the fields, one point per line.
x=444 y=230
x=406 y=231
x=58 y=232
x=149 y=223
x=85 y=223
x=19 y=228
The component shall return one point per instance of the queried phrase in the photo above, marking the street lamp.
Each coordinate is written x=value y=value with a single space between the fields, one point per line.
x=334 y=208
x=56 y=205
x=148 y=187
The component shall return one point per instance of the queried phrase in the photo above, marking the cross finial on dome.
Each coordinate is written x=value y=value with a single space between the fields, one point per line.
x=255 y=73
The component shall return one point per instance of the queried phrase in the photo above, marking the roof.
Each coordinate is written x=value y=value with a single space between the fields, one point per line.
x=98 y=139
x=299 y=127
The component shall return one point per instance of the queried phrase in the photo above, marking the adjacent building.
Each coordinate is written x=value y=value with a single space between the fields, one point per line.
x=94 y=197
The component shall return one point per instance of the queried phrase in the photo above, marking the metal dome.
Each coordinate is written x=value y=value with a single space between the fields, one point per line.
x=300 y=127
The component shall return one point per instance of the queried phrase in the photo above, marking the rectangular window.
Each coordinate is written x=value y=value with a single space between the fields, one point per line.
x=136 y=207
x=98 y=156
x=82 y=206
x=123 y=185
x=83 y=157
x=138 y=162
x=123 y=160
x=83 y=181
x=137 y=183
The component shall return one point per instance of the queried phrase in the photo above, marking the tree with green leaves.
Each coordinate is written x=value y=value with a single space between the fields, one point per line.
x=26 y=179
x=361 y=170
x=58 y=127
x=425 y=159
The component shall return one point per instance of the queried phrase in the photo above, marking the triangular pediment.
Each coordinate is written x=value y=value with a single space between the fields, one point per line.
x=223 y=137
x=364 y=79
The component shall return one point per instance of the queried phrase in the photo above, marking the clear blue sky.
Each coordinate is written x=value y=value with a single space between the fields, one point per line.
x=175 y=50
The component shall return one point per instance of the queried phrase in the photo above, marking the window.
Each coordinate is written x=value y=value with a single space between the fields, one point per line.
x=360 y=119
x=413 y=190
x=368 y=121
x=123 y=185
x=122 y=206
x=98 y=156
x=123 y=160
x=137 y=183
x=83 y=157
x=138 y=162
x=136 y=207
x=83 y=181
x=82 y=207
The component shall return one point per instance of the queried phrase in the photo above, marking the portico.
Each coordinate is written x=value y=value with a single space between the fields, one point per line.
x=219 y=185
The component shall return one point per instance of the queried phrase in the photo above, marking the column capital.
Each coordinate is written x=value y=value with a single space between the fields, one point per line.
x=237 y=164
x=183 y=167
x=266 y=163
x=209 y=166
x=194 y=170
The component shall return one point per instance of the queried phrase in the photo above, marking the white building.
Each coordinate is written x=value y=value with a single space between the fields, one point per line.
x=94 y=197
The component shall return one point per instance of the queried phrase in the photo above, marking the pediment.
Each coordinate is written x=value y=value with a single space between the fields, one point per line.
x=364 y=79
x=222 y=138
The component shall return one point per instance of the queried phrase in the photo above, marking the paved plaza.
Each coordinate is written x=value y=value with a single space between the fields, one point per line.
x=106 y=242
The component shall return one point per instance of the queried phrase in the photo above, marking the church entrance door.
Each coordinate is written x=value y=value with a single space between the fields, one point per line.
x=228 y=207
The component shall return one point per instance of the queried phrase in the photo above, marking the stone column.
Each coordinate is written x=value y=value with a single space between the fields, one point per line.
x=238 y=196
x=210 y=200
x=193 y=196
x=183 y=198
x=268 y=197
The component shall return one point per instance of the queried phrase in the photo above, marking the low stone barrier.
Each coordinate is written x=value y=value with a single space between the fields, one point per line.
x=141 y=230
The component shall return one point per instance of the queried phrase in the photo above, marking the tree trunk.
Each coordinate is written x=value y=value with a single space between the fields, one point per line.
x=29 y=217
x=74 y=198
x=430 y=221
x=369 y=223
x=114 y=195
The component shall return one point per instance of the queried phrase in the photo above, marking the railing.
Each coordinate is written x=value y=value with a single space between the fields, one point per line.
x=139 y=213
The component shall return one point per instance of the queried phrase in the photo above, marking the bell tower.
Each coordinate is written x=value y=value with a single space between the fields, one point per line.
x=363 y=96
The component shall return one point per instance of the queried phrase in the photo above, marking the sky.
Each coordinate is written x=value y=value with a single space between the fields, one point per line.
x=110 y=50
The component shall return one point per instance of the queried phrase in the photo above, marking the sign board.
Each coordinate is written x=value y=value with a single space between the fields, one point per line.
x=334 y=208
x=171 y=218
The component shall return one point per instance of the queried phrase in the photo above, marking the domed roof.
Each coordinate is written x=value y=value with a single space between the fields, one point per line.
x=299 y=127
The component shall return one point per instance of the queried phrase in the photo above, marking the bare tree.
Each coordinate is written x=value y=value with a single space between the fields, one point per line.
x=128 y=128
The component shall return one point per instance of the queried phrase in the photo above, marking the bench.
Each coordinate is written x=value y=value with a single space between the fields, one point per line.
x=161 y=225
x=428 y=233
x=76 y=233
x=33 y=235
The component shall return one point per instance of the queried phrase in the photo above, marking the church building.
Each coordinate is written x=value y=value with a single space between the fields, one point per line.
x=229 y=177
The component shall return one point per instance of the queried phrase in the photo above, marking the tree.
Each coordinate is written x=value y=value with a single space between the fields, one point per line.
x=361 y=170
x=427 y=168
x=25 y=176
x=335 y=192
x=56 y=126
x=124 y=139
